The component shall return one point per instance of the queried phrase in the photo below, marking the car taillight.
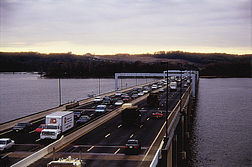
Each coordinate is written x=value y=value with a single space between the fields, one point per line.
x=135 y=146
x=126 y=146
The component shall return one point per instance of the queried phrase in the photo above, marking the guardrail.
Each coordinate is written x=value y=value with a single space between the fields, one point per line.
x=72 y=137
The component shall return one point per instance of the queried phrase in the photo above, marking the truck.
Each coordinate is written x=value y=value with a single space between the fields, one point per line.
x=153 y=100
x=173 y=86
x=56 y=124
x=131 y=116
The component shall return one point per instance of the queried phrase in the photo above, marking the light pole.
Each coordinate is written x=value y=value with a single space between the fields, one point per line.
x=99 y=91
x=60 y=73
x=166 y=113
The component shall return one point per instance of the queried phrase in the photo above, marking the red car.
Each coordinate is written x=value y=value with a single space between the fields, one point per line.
x=157 y=114
x=40 y=128
x=126 y=99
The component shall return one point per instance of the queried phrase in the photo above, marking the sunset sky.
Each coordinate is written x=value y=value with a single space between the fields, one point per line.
x=126 y=26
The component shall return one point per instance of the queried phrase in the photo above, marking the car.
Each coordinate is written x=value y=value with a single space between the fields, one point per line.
x=118 y=94
x=126 y=99
x=6 y=143
x=77 y=114
x=154 y=86
x=140 y=94
x=83 y=119
x=134 y=96
x=40 y=128
x=118 y=102
x=145 y=91
x=132 y=146
x=106 y=100
x=24 y=127
x=124 y=95
x=100 y=108
x=98 y=99
x=157 y=114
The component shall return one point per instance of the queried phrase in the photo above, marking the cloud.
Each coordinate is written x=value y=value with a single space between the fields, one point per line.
x=208 y=23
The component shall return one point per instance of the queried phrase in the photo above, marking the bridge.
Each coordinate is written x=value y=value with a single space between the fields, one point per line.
x=101 y=141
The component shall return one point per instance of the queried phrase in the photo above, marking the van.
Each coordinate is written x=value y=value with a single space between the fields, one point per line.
x=126 y=105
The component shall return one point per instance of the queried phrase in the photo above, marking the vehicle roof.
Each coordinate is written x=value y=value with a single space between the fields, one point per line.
x=60 y=113
x=4 y=139
x=101 y=105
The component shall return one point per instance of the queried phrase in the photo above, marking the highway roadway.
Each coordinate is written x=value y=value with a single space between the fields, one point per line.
x=104 y=146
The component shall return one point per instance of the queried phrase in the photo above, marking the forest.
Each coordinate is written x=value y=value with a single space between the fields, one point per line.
x=68 y=65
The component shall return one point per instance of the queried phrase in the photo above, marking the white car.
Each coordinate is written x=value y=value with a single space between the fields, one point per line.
x=98 y=99
x=154 y=86
x=118 y=94
x=119 y=103
x=140 y=94
x=6 y=143
x=100 y=109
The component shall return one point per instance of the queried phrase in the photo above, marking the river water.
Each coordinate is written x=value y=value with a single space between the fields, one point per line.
x=22 y=94
x=222 y=129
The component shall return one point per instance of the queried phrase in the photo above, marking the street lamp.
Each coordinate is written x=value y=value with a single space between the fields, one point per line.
x=60 y=73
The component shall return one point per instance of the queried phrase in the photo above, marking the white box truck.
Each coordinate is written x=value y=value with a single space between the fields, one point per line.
x=57 y=123
x=173 y=86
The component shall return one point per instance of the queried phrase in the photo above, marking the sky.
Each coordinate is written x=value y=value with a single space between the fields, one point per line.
x=126 y=26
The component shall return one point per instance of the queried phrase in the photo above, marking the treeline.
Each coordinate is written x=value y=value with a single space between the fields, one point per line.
x=75 y=66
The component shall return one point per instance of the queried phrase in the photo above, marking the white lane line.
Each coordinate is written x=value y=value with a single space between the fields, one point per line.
x=6 y=132
x=119 y=126
x=91 y=115
x=148 y=119
x=32 y=131
x=131 y=135
x=90 y=148
x=141 y=126
x=117 y=151
x=107 y=135
x=38 y=140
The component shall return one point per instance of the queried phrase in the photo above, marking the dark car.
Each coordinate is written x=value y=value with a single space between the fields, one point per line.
x=157 y=114
x=126 y=99
x=24 y=127
x=107 y=100
x=132 y=147
x=83 y=119
x=77 y=114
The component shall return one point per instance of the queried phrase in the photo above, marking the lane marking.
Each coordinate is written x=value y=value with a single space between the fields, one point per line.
x=90 y=148
x=141 y=126
x=107 y=135
x=148 y=119
x=6 y=132
x=117 y=151
x=91 y=115
x=119 y=126
x=131 y=135
x=38 y=140
x=32 y=131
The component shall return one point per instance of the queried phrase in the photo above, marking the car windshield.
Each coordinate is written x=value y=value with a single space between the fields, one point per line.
x=41 y=126
x=100 y=108
x=2 y=142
